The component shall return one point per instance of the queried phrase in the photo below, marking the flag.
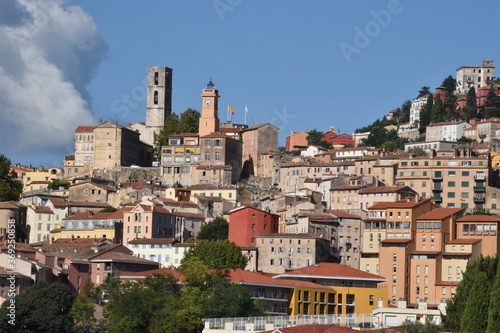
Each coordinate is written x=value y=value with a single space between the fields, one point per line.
x=230 y=108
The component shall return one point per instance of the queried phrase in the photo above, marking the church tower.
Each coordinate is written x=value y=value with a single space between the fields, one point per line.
x=209 y=120
x=159 y=100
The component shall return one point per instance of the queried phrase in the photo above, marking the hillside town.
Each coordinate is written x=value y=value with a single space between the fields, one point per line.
x=364 y=230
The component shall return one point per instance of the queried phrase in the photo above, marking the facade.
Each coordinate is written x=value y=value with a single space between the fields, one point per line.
x=91 y=192
x=245 y=223
x=209 y=120
x=296 y=141
x=159 y=101
x=451 y=181
x=474 y=76
x=356 y=291
x=446 y=131
x=258 y=140
x=270 y=166
x=165 y=251
x=282 y=252
x=395 y=316
x=350 y=232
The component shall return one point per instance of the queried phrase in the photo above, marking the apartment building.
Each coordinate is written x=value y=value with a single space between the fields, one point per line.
x=166 y=251
x=350 y=231
x=245 y=223
x=257 y=140
x=278 y=253
x=446 y=131
x=451 y=181
x=474 y=76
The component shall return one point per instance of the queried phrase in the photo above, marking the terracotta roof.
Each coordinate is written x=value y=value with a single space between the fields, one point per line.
x=398 y=204
x=152 y=241
x=88 y=204
x=256 y=127
x=447 y=123
x=321 y=217
x=192 y=215
x=167 y=201
x=58 y=202
x=316 y=328
x=464 y=241
x=230 y=129
x=448 y=283
x=331 y=270
x=163 y=271
x=479 y=218
x=343 y=214
x=247 y=277
x=218 y=135
x=441 y=213
x=104 y=187
x=118 y=215
x=84 y=129
x=40 y=182
x=212 y=167
x=383 y=189
x=287 y=235
x=119 y=257
x=396 y=240
x=9 y=205
x=43 y=210
x=425 y=252
x=347 y=187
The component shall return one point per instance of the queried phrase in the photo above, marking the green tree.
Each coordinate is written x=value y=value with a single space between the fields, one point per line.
x=451 y=108
x=492 y=99
x=217 y=229
x=389 y=146
x=82 y=311
x=450 y=85
x=419 y=327
x=189 y=121
x=42 y=307
x=437 y=111
x=218 y=254
x=417 y=151
x=475 y=315
x=10 y=188
x=494 y=306
x=425 y=114
x=56 y=184
x=423 y=91
x=403 y=113
x=314 y=137
x=470 y=109
x=161 y=139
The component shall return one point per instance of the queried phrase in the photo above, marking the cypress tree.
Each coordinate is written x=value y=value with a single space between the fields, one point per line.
x=437 y=111
x=470 y=109
x=494 y=309
x=475 y=316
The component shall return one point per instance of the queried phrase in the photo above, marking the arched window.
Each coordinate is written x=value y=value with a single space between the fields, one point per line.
x=156 y=78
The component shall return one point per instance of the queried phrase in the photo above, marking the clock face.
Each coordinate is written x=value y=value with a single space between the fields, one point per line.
x=208 y=102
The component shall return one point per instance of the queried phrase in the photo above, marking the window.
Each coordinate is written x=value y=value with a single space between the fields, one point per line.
x=217 y=143
x=207 y=156
x=451 y=184
x=452 y=173
x=451 y=194
x=217 y=156
x=465 y=173
x=208 y=143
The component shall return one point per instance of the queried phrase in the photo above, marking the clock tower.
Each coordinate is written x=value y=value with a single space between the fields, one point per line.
x=209 y=120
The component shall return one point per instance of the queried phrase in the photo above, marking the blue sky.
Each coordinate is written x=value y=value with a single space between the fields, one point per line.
x=297 y=64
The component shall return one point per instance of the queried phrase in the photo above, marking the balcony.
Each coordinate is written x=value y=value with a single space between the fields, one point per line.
x=269 y=296
x=480 y=177
x=479 y=199
x=437 y=178
x=437 y=189
x=437 y=199
x=479 y=188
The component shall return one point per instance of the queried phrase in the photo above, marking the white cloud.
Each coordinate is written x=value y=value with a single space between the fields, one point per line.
x=49 y=53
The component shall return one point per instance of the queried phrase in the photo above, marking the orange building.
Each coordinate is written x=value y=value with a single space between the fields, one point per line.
x=296 y=141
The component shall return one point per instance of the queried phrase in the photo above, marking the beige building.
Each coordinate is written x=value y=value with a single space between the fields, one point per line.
x=474 y=76
x=258 y=140
x=165 y=251
x=446 y=131
x=451 y=181
x=487 y=130
x=278 y=253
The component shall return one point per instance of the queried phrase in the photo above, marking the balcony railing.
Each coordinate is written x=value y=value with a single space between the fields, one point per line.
x=269 y=296
x=480 y=177
x=437 y=177
x=479 y=188
x=437 y=199
x=437 y=189
x=479 y=199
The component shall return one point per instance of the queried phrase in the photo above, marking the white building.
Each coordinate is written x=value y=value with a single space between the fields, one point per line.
x=162 y=250
x=416 y=106
x=391 y=317
x=446 y=131
x=474 y=76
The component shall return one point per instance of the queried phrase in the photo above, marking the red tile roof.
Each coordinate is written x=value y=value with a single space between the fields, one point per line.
x=9 y=205
x=43 y=210
x=331 y=270
x=343 y=214
x=208 y=198
x=192 y=215
x=383 y=189
x=441 y=213
x=88 y=204
x=398 y=204
x=84 y=129
x=167 y=201
x=247 y=277
x=479 y=218
x=58 y=202
x=218 y=135
x=464 y=241
x=152 y=241
x=396 y=240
